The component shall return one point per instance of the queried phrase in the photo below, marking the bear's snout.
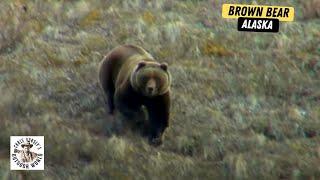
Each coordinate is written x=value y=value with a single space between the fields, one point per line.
x=151 y=86
x=150 y=90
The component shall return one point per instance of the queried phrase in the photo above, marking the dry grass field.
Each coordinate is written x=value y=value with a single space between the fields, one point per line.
x=244 y=106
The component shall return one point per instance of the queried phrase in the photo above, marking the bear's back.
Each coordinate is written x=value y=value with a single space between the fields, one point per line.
x=117 y=65
x=131 y=56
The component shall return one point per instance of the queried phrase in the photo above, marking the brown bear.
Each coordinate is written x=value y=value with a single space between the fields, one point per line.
x=131 y=78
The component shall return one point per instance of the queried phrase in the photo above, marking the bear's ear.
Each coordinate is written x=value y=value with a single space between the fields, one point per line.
x=141 y=64
x=164 y=66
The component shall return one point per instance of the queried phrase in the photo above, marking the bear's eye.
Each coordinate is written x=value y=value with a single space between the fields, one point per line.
x=144 y=79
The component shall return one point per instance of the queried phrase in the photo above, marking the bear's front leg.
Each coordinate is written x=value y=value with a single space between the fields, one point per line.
x=158 y=111
x=128 y=103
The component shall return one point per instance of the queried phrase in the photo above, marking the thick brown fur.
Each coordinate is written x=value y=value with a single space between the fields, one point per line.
x=131 y=78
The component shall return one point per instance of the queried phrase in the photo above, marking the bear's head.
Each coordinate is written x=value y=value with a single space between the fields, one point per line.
x=151 y=78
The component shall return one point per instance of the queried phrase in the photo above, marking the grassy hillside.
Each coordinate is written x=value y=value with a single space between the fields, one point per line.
x=245 y=105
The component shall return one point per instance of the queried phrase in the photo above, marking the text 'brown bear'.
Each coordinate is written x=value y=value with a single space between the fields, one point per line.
x=131 y=78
